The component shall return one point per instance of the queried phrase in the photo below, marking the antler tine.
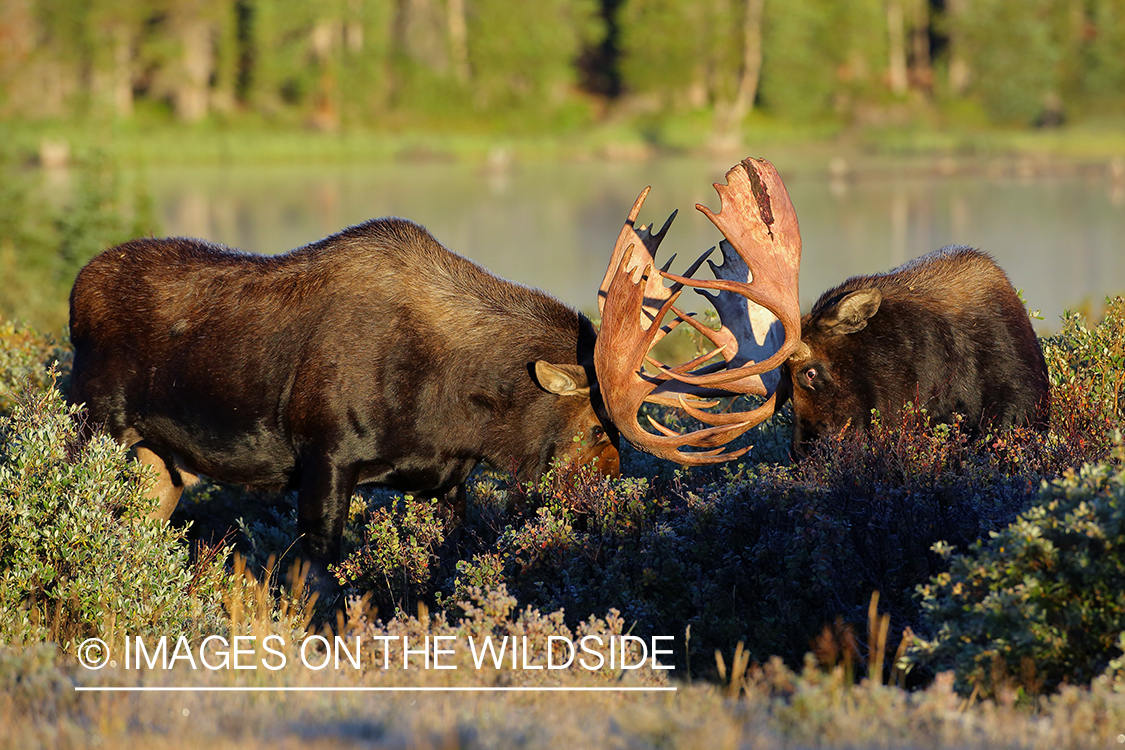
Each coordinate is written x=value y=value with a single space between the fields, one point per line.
x=630 y=236
x=625 y=239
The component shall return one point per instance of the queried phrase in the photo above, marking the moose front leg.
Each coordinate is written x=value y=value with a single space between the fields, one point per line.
x=323 y=500
x=452 y=505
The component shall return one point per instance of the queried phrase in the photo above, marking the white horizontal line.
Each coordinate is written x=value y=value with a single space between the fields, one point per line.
x=161 y=689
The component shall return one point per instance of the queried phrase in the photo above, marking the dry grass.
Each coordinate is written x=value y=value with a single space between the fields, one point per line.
x=756 y=706
x=776 y=709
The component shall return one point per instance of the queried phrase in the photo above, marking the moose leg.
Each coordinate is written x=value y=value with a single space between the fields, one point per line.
x=453 y=505
x=322 y=508
x=451 y=509
x=171 y=476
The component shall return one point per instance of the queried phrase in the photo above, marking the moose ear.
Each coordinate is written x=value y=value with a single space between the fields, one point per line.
x=562 y=380
x=852 y=312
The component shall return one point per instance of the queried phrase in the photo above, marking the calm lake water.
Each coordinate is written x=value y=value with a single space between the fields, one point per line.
x=1058 y=231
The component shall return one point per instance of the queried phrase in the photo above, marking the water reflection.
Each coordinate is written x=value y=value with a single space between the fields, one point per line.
x=1058 y=233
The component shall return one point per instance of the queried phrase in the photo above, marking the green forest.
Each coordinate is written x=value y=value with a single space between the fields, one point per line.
x=553 y=65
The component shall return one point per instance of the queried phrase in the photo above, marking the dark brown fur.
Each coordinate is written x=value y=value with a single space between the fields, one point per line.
x=950 y=334
x=374 y=355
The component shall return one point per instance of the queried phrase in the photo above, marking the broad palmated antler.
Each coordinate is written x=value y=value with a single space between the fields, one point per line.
x=761 y=260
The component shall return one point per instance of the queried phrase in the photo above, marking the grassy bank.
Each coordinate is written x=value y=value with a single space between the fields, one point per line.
x=158 y=142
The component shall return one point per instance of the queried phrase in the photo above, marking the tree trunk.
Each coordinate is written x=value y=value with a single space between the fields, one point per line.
x=458 y=40
x=190 y=94
x=324 y=39
x=122 y=72
x=920 y=45
x=421 y=32
x=353 y=27
x=897 y=47
x=728 y=117
x=751 y=72
x=958 y=65
x=111 y=70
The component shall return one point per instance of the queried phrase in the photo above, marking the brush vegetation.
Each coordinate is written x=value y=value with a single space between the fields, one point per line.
x=901 y=588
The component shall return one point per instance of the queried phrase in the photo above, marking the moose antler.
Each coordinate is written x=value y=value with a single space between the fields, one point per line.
x=655 y=293
x=760 y=226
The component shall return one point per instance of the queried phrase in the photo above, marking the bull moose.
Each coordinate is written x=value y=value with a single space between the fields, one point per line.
x=945 y=331
x=376 y=355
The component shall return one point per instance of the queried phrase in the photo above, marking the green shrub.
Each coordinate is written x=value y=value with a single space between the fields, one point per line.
x=25 y=360
x=400 y=542
x=270 y=533
x=496 y=614
x=1042 y=601
x=1087 y=370
x=767 y=555
x=77 y=555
